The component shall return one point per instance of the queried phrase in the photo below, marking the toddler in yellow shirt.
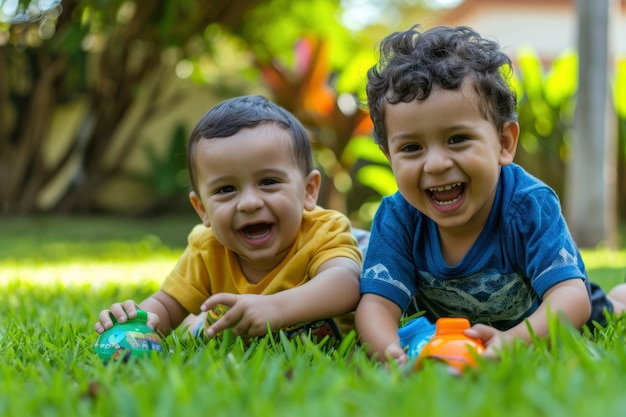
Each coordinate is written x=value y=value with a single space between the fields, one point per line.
x=265 y=249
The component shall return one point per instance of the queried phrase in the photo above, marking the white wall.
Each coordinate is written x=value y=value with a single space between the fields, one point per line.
x=549 y=30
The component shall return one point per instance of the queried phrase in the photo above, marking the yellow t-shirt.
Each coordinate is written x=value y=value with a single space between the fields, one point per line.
x=206 y=267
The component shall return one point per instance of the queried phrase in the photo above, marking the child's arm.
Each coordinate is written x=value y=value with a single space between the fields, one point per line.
x=376 y=322
x=332 y=292
x=568 y=299
x=164 y=313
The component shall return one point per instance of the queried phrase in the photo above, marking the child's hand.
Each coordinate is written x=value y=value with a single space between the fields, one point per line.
x=248 y=314
x=493 y=339
x=122 y=312
x=395 y=352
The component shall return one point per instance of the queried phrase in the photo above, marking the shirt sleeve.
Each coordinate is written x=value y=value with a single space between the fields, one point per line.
x=327 y=234
x=189 y=280
x=389 y=270
x=545 y=248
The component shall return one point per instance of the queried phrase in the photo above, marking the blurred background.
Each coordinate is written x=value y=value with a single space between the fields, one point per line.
x=97 y=97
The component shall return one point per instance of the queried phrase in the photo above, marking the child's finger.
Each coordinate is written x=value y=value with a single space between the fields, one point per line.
x=119 y=312
x=228 y=319
x=223 y=298
x=130 y=307
x=153 y=321
x=481 y=332
x=105 y=321
x=395 y=352
x=100 y=326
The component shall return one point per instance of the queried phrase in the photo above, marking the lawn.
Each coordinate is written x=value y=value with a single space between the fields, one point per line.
x=56 y=274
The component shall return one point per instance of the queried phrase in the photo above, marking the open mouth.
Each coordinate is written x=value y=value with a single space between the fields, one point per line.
x=257 y=231
x=447 y=194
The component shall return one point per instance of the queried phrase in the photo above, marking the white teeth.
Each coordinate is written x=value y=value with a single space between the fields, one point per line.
x=442 y=189
x=446 y=187
x=446 y=203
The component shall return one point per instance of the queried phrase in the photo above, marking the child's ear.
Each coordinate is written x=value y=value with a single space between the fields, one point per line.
x=196 y=202
x=312 y=185
x=508 y=142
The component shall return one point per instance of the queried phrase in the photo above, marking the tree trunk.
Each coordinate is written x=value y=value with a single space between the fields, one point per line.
x=591 y=208
x=125 y=45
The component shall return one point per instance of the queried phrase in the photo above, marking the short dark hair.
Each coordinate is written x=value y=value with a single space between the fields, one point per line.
x=230 y=116
x=411 y=63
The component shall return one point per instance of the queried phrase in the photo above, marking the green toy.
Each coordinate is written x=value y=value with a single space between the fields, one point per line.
x=132 y=339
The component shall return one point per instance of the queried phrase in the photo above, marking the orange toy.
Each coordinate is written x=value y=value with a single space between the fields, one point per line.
x=451 y=346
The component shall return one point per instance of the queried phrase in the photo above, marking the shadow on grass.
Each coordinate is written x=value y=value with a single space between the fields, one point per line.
x=55 y=239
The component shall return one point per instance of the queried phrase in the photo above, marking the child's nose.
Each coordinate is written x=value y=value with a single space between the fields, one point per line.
x=249 y=200
x=437 y=161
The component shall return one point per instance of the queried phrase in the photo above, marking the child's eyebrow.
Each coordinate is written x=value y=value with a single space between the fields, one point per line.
x=219 y=180
x=460 y=126
x=403 y=135
x=272 y=171
x=222 y=179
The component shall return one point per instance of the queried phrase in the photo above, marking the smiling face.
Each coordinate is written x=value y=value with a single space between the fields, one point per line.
x=446 y=157
x=252 y=193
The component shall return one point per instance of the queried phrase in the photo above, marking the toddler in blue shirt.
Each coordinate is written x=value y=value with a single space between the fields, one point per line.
x=469 y=233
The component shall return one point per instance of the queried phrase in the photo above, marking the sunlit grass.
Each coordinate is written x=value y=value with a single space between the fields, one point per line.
x=94 y=273
x=604 y=258
x=606 y=267
x=53 y=284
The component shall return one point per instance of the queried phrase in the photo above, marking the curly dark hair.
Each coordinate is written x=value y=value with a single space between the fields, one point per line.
x=411 y=63
x=230 y=116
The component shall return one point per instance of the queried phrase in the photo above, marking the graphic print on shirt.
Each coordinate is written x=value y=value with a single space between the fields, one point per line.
x=564 y=258
x=485 y=297
x=380 y=273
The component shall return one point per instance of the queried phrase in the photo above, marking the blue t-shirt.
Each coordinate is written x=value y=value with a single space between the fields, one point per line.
x=524 y=249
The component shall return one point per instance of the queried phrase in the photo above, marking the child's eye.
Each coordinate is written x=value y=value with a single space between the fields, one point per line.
x=269 y=181
x=412 y=147
x=225 y=189
x=458 y=139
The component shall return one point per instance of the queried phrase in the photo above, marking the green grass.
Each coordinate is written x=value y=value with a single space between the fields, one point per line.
x=56 y=275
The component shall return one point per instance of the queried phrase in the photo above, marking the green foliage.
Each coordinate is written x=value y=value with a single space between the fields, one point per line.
x=168 y=175
x=546 y=102
x=77 y=49
x=113 y=60
x=376 y=174
x=546 y=107
x=274 y=35
x=620 y=89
